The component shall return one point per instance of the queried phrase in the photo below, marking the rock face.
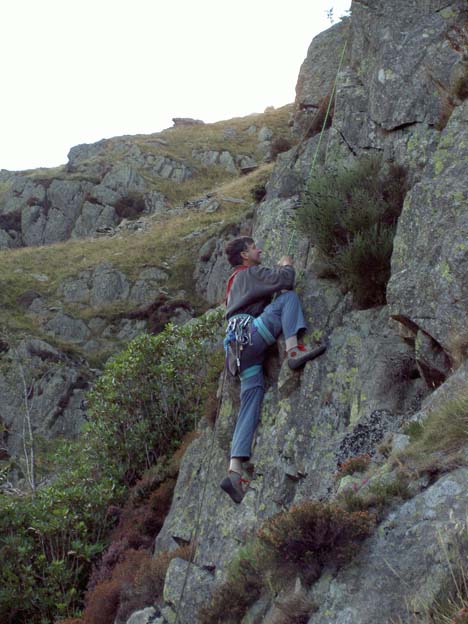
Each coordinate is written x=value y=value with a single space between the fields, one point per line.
x=403 y=567
x=52 y=386
x=428 y=289
x=382 y=364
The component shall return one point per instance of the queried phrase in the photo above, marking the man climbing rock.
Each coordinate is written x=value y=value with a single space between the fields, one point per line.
x=255 y=321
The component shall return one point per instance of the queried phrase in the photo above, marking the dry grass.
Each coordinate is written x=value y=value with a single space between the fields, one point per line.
x=458 y=348
x=437 y=445
x=129 y=252
x=295 y=608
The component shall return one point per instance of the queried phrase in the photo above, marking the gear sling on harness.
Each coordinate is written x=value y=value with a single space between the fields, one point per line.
x=238 y=332
x=238 y=336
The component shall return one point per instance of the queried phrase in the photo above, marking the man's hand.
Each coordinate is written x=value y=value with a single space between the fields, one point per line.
x=286 y=260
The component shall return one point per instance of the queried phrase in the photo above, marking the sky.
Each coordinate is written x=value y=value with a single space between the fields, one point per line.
x=77 y=71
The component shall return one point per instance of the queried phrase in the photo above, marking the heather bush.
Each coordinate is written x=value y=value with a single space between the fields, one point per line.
x=278 y=146
x=147 y=583
x=311 y=533
x=258 y=192
x=298 y=541
x=359 y=463
x=350 y=215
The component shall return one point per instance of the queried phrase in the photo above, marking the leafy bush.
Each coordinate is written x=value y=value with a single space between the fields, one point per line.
x=350 y=215
x=48 y=542
x=145 y=401
x=150 y=395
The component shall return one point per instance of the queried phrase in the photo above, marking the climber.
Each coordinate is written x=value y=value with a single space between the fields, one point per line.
x=254 y=323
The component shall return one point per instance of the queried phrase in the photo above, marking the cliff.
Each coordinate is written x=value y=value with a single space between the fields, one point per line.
x=401 y=93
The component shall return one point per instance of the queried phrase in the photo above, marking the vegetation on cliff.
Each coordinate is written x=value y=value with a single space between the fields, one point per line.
x=350 y=215
x=148 y=398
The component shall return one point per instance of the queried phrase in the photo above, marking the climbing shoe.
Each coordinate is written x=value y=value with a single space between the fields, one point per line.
x=298 y=356
x=233 y=485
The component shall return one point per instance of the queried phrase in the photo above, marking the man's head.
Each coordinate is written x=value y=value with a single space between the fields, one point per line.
x=243 y=250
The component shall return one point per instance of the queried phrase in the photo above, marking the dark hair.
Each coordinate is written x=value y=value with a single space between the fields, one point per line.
x=233 y=249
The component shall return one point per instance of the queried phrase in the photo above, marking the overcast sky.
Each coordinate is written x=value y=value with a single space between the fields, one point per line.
x=77 y=71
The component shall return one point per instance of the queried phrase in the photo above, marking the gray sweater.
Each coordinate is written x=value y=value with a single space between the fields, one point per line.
x=253 y=288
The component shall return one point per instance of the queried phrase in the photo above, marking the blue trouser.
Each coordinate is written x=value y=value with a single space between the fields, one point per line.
x=284 y=315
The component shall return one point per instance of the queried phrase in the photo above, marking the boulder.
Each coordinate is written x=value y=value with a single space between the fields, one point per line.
x=67 y=328
x=186 y=121
x=65 y=200
x=213 y=157
x=93 y=218
x=108 y=286
x=265 y=134
x=408 y=555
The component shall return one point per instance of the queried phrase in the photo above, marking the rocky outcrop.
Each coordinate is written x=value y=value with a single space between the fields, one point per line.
x=428 y=289
x=317 y=74
x=187 y=121
x=407 y=556
x=102 y=289
x=40 y=383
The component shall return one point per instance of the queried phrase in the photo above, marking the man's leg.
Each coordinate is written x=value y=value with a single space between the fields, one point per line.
x=251 y=397
x=285 y=315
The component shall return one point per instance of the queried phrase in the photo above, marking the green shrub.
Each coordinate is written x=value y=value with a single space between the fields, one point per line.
x=150 y=395
x=147 y=398
x=350 y=215
x=48 y=542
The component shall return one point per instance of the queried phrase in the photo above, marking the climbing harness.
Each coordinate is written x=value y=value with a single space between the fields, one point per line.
x=238 y=336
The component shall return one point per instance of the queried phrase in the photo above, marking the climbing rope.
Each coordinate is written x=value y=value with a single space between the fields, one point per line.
x=293 y=237
x=292 y=242
x=195 y=531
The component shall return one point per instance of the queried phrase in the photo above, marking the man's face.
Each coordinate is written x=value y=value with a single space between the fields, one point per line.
x=251 y=255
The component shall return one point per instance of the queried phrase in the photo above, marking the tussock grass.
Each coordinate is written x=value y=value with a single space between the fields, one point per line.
x=436 y=445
